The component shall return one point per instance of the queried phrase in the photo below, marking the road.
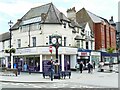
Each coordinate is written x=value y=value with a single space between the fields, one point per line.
x=77 y=80
x=46 y=85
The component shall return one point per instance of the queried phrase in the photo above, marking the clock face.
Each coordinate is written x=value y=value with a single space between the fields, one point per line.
x=54 y=40
x=59 y=40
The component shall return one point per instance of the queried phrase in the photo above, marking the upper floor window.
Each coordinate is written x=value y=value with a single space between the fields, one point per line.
x=34 y=41
x=81 y=44
x=77 y=30
x=86 y=45
x=34 y=26
x=25 y=28
x=19 y=43
x=91 y=45
x=65 y=41
x=78 y=43
x=3 y=45
x=50 y=42
x=64 y=25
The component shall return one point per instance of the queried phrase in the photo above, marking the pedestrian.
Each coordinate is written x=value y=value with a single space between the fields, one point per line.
x=19 y=67
x=81 y=67
x=29 y=69
x=89 y=67
x=9 y=65
x=15 y=65
x=94 y=64
x=25 y=67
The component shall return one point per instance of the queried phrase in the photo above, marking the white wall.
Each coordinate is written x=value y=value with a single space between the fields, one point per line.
x=73 y=61
x=88 y=34
x=43 y=38
x=1 y=46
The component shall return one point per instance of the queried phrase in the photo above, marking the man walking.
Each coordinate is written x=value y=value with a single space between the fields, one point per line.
x=89 y=67
x=81 y=66
x=94 y=64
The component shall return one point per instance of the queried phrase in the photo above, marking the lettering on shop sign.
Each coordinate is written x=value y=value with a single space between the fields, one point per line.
x=95 y=53
x=25 y=51
x=83 y=53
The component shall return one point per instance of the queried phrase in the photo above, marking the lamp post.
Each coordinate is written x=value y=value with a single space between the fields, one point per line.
x=10 y=24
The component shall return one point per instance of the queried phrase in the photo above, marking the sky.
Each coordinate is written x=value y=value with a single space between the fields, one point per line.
x=16 y=9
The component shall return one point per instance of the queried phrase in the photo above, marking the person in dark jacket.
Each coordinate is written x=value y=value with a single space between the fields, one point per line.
x=94 y=64
x=81 y=67
x=89 y=67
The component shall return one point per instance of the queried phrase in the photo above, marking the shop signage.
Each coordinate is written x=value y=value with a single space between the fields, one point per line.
x=50 y=49
x=95 y=53
x=83 y=53
x=27 y=50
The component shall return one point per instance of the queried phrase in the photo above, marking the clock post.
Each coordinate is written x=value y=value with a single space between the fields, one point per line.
x=56 y=42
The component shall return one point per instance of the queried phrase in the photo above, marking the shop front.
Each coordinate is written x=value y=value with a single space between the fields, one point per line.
x=34 y=57
x=95 y=57
x=84 y=57
x=109 y=57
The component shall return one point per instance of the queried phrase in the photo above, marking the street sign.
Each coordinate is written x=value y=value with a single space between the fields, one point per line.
x=50 y=49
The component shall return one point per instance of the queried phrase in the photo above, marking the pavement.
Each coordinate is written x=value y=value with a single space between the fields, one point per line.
x=99 y=79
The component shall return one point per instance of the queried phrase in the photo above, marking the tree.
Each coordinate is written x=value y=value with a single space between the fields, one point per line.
x=110 y=50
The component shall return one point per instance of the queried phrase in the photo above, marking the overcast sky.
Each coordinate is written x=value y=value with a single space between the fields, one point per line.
x=15 y=9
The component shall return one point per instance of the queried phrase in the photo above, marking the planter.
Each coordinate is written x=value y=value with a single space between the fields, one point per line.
x=12 y=50
x=6 y=51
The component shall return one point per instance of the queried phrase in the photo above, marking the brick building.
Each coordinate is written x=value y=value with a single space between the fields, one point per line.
x=104 y=32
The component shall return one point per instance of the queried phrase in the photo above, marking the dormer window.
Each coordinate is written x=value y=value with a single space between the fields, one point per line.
x=64 y=25
x=77 y=30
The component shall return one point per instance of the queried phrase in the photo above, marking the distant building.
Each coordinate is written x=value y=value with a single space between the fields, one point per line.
x=4 y=44
x=118 y=36
x=104 y=32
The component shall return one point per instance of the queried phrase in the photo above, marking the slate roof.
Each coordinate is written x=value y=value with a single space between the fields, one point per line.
x=94 y=17
x=48 y=13
x=4 y=36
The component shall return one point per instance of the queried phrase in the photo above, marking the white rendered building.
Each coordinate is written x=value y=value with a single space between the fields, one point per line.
x=31 y=37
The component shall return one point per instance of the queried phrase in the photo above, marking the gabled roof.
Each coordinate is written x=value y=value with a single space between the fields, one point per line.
x=4 y=36
x=94 y=17
x=48 y=13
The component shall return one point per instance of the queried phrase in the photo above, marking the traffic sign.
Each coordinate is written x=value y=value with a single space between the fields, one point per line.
x=50 y=49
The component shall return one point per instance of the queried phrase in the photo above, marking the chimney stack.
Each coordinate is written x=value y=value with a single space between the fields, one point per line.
x=71 y=14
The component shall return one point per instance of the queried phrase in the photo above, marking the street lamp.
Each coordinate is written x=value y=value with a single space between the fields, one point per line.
x=10 y=24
